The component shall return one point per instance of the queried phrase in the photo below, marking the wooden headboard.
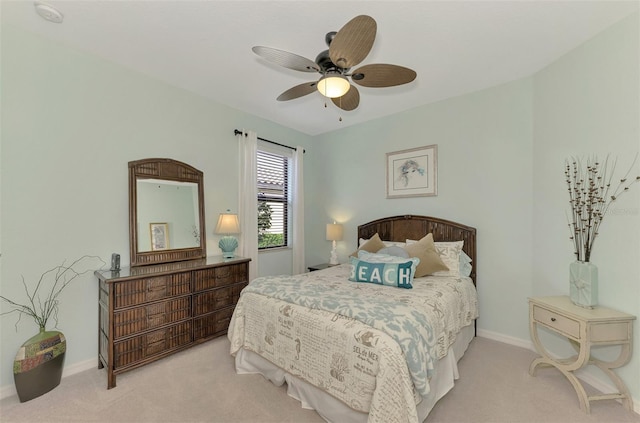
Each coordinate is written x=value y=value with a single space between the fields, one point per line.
x=401 y=228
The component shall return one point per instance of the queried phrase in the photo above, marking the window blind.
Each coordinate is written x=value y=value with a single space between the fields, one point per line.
x=273 y=194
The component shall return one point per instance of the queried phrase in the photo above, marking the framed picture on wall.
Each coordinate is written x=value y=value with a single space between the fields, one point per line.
x=413 y=172
x=159 y=236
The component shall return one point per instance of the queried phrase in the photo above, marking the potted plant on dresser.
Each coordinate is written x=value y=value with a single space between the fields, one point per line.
x=592 y=190
x=38 y=365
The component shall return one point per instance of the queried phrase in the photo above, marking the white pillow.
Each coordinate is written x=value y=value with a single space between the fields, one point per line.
x=361 y=242
x=383 y=258
x=394 y=251
x=464 y=258
x=465 y=264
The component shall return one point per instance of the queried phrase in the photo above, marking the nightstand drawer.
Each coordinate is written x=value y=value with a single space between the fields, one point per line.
x=611 y=332
x=557 y=321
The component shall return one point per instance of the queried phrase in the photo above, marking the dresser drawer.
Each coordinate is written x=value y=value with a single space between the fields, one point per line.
x=139 y=319
x=212 y=324
x=138 y=348
x=209 y=301
x=140 y=291
x=220 y=276
x=557 y=321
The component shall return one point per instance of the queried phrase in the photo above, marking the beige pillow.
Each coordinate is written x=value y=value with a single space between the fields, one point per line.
x=372 y=245
x=430 y=260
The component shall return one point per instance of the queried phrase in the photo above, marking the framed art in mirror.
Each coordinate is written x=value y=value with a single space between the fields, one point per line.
x=166 y=212
x=159 y=236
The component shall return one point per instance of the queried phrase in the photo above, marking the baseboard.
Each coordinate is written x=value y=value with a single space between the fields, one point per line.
x=10 y=390
x=506 y=339
x=599 y=384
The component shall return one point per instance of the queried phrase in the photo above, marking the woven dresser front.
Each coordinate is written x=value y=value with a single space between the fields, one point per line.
x=141 y=291
x=150 y=312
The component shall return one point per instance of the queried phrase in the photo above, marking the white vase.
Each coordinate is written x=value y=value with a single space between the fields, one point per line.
x=583 y=284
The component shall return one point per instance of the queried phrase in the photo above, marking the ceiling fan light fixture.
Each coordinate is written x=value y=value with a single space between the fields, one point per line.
x=333 y=86
x=347 y=48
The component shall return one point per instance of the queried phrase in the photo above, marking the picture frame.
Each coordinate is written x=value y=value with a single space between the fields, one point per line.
x=159 y=236
x=413 y=172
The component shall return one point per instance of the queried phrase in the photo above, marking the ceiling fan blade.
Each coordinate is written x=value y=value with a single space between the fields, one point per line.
x=298 y=91
x=286 y=59
x=382 y=75
x=349 y=101
x=353 y=42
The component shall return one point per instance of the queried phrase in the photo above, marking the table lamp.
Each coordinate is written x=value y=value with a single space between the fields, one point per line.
x=228 y=225
x=334 y=233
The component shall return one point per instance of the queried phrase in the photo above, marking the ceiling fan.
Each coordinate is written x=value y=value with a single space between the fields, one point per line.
x=347 y=48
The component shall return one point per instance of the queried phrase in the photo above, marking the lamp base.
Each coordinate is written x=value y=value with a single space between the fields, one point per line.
x=333 y=258
x=228 y=245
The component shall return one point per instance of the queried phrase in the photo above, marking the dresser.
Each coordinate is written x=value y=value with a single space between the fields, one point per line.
x=584 y=328
x=149 y=312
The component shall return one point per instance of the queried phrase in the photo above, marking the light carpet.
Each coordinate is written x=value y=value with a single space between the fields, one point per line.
x=200 y=385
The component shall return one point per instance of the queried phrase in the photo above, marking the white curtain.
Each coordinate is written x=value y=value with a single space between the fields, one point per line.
x=248 y=202
x=298 y=211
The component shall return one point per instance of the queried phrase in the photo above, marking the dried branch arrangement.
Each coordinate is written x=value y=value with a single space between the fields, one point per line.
x=58 y=278
x=590 y=196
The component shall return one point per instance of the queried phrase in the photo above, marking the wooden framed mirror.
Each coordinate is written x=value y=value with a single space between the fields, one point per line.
x=166 y=212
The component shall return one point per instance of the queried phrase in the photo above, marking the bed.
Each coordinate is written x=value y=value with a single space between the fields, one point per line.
x=363 y=352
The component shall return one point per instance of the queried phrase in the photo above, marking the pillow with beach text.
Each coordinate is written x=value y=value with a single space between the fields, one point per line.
x=396 y=272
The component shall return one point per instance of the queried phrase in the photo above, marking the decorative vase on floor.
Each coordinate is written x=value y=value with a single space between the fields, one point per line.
x=38 y=366
x=583 y=289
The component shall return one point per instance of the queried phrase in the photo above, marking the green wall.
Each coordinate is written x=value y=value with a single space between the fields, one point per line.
x=71 y=122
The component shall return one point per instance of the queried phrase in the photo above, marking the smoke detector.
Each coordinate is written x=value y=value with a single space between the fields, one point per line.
x=48 y=12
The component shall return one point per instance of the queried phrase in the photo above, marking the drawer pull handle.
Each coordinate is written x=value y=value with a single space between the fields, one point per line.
x=553 y=319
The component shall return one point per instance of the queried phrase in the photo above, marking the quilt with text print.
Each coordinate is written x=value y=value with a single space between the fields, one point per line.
x=371 y=346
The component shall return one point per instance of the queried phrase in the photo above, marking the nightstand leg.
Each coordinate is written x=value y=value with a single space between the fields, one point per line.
x=565 y=366
x=568 y=364
x=606 y=367
x=583 y=398
x=577 y=386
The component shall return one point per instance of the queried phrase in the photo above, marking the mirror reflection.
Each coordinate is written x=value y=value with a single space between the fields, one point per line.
x=168 y=215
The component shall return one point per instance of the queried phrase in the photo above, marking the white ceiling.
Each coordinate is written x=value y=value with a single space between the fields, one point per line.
x=456 y=47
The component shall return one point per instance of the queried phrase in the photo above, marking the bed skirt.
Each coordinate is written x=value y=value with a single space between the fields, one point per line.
x=334 y=410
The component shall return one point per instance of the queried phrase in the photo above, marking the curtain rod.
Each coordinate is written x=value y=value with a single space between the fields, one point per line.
x=237 y=131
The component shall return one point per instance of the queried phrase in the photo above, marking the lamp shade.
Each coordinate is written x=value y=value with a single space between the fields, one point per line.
x=333 y=86
x=228 y=224
x=334 y=232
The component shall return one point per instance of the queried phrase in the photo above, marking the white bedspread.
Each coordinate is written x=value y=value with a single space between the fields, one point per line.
x=331 y=346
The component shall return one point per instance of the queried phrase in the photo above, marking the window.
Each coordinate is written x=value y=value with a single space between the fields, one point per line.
x=273 y=199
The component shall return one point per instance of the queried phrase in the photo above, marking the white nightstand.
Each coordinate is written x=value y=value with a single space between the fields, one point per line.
x=584 y=328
